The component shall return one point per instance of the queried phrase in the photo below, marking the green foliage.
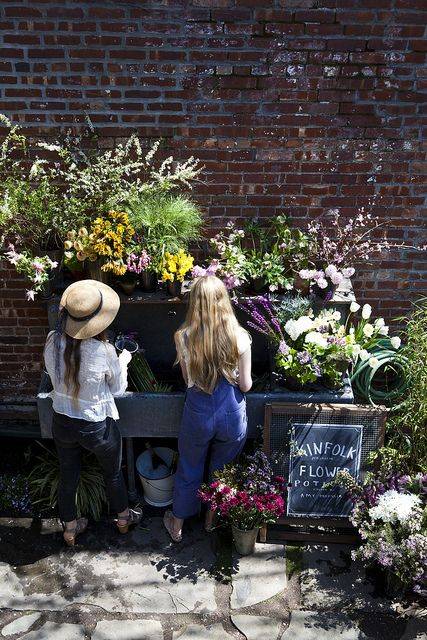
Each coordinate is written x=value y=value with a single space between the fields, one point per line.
x=142 y=377
x=407 y=427
x=166 y=222
x=291 y=308
x=44 y=480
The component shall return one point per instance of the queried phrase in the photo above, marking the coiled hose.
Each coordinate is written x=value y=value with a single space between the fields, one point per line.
x=386 y=382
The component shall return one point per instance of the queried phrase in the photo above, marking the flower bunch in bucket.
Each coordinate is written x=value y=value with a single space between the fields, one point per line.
x=248 y=495
x=390 y=513
x=37 y=269
x=306 y=349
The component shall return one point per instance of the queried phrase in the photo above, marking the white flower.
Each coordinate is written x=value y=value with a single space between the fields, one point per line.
x=356 y=350
x=337 y=278
x=294 y=328
x=393 y=506
x=354 y=307
x=322 y=283
x=336 y=315
x=383 y=331
x=30 y=294
x=373 y=362
x=348 y=272
x=351 y=331
x=364 y=355
x=395 y=342
x=366 y=311
x=379 y=322
x=368 y=330
x=330 y=270
x=314 y=337
x=306 y=274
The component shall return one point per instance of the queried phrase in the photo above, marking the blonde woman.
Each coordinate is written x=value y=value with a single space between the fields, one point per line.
x=86 y=374
x=214 y=352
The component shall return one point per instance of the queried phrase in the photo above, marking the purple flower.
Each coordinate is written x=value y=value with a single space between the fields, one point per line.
x=283 y=348
x=304 y=357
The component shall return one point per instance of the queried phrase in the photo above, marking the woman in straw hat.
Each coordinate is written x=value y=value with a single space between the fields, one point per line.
x=86 y=374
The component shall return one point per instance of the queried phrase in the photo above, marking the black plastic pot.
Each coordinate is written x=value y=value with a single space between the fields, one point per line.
x=148 y=281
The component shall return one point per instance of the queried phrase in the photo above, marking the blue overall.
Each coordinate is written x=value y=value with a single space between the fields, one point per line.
x=216 y=420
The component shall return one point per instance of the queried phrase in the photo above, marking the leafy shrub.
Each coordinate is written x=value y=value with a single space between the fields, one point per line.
x=44 y=480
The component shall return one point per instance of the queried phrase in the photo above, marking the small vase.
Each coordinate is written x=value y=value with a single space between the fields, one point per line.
x=128 y=286
x=244 y=541
x=148 y=281
x=174 y=288
x=95 y=272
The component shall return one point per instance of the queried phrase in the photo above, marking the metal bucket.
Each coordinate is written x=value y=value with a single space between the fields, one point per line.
x=244 y=541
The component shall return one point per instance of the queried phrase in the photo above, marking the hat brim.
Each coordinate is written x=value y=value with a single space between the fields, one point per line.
x=81 y=330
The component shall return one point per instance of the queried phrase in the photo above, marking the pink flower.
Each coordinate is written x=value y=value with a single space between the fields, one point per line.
x=37 y=265
x=348 y=272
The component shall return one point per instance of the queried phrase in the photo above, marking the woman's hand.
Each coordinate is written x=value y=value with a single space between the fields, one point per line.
x=125 y=356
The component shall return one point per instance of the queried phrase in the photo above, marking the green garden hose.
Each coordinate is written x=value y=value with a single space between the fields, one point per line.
x=386 y=382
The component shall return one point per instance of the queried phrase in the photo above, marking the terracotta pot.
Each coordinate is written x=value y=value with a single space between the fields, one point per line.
x=148 y=281
x=244 y=541
x=174 y=288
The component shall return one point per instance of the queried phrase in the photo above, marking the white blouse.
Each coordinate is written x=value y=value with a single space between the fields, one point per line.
x=102 y=375
x=244 y=342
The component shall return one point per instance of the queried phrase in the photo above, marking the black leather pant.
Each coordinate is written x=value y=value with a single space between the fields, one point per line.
x=103 y=439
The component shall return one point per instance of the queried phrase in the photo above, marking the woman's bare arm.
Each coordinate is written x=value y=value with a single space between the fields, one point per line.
x=245 y=371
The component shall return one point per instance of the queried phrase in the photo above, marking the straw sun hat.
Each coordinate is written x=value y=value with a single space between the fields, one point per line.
x=90 y=306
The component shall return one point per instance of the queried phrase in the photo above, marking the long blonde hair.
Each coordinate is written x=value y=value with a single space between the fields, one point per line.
x=209 y=334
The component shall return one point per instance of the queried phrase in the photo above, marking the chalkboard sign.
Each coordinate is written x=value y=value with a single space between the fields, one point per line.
x=318 y=452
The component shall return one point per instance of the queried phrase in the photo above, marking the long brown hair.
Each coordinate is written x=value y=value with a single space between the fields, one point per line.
x=209 y=334
x=72 y=359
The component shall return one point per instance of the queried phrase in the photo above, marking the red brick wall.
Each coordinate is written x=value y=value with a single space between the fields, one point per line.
x=294 y=106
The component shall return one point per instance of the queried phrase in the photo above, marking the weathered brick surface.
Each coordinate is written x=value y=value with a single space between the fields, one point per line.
x=294 y=106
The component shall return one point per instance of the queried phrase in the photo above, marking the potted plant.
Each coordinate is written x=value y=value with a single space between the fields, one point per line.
x=248 y=496
x=137 y=265
x=175 y=268
x=307 y=349
x=104 y=246
x=37 y=269
x=390 y=513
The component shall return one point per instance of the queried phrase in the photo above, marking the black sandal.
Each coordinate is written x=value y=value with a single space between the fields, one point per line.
x=133 y=518
x=81 y=525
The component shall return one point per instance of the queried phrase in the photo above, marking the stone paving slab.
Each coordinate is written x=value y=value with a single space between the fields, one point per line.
x=258 y=577
x=128 y=630
x=20 y=625
x=148 y=575
x=54 y=631
x=257 y=627
x=326 y=625
x=331 y=580
x=198 y=632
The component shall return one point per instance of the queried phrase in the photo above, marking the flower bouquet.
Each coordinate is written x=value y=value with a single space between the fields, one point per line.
x=307 y=349
x=390 y=513
x=104 y=245
x=175 y=268
x=248 y=496
x=37 y=269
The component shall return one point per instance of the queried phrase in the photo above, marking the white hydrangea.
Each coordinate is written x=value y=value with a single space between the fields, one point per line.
x=294 y=328
x=393 y=506
x=314 y=337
